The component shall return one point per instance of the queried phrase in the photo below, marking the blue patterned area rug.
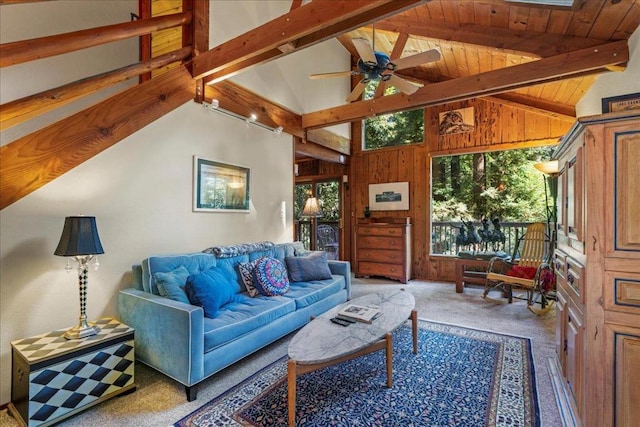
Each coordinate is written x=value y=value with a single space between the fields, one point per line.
x=460 y=377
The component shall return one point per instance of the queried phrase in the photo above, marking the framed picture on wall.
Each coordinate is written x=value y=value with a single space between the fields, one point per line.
x=614 y=104
x=393 y=196
x=220 y=187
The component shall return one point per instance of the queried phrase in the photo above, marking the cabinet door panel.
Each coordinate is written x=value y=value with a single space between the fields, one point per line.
x=622 y=219
x=627 y=379
x=575 y=343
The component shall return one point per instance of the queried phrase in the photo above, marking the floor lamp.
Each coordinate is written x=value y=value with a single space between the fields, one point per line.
x=312 y=210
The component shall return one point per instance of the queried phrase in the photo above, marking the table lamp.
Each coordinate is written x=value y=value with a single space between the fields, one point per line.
x=80 y=240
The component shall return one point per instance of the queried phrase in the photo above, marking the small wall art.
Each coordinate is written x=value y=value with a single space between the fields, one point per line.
x=220 y=187
x=393 y=196
x=457 y=121
x=615 y=104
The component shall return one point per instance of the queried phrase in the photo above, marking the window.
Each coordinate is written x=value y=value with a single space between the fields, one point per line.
x=502 y=185
x=392 y=130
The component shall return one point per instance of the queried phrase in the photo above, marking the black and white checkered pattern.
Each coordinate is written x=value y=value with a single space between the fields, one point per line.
x=71 y=374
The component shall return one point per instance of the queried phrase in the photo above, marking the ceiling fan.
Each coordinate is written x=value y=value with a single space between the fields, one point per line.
x=374 y=65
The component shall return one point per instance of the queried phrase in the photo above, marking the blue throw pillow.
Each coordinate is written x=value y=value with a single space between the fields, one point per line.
x=311 y=267
x=172 y=284
x=270 y=277
x=210 y=289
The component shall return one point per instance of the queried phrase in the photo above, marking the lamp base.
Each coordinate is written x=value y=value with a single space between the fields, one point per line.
x=82 y=331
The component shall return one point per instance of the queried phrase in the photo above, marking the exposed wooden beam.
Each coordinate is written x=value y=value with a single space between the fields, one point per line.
x=536 y=105
x=319 y=152
x=311 y=18
x=490 y=83
x=18 y=111
x=528 y=43
x=28 y=50
x=32 y=161
x=235 y=98
x=239 y=100
x=330 y=140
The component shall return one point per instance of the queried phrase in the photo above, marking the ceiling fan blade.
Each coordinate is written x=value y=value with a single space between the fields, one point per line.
x=417 y=59
x=334 y=74
x=365 y=50
x=404 y=86
x=357 y=91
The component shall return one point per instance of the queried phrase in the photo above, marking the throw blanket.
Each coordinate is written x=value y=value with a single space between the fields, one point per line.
x=235 y=250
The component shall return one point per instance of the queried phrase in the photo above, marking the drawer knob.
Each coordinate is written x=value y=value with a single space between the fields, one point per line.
x=570 y=278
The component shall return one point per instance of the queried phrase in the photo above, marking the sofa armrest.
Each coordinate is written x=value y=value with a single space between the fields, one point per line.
x=343 y=268
x=169 y=335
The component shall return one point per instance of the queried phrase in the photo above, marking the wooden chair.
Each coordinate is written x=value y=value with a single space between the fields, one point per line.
x=532 y=255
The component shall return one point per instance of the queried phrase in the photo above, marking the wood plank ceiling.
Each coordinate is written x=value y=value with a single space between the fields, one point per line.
x=537 y=57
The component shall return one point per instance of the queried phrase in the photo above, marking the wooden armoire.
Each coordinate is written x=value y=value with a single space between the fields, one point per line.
x=597 y=263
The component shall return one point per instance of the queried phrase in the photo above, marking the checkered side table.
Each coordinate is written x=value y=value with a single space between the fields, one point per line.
x=54 y=378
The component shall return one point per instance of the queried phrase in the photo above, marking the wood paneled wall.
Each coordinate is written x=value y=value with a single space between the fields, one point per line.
x=497 y=126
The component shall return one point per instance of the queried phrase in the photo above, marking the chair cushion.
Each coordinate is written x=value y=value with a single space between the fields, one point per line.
x=172 y=284
x=311 y=267
x=522 y=272
x=270 y=277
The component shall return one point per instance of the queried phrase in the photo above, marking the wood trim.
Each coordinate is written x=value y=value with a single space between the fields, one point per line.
x=28 y=50
x=32 y=161
x=18 y=111
x=492 y=82
x=317 y=21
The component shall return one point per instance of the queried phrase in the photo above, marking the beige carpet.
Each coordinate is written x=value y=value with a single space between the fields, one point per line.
x=160 y=401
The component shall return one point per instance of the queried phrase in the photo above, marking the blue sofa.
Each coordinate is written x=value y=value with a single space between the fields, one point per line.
x=174 y=336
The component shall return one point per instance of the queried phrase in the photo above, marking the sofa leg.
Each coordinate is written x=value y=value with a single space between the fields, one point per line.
x=192 y=392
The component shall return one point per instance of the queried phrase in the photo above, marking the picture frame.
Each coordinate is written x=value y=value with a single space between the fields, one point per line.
x=220 y=187
x=393 y=196
x=614 y=104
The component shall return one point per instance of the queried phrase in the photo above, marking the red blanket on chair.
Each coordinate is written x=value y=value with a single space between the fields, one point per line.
x=522 y=272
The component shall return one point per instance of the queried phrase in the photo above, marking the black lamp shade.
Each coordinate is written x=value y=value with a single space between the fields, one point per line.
x=79 y=237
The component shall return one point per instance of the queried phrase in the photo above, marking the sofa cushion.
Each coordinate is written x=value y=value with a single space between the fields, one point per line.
x=277 y=252
x=270 y=277
x=211 y=289
x=246 y=275
x=172 y=284
x=307 y=293
x=311 y=267
x=244 y=315
x=194 y=263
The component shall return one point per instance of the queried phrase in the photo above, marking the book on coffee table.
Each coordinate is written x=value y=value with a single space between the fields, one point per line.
x=360 y=313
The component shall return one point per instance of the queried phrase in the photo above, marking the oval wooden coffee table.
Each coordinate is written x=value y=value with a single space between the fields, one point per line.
x=322 y=343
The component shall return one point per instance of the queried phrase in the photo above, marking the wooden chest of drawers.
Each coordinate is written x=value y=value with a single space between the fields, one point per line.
x=383 y=248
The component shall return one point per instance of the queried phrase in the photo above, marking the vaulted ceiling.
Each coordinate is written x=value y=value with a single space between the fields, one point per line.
x=534 y=56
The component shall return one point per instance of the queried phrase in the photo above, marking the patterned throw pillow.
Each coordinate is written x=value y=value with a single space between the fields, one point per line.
x=270 y=277
x=246 y=274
